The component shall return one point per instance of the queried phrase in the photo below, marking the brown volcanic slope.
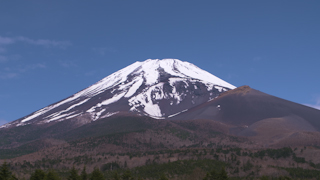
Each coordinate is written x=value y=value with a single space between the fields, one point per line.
x=265 y=118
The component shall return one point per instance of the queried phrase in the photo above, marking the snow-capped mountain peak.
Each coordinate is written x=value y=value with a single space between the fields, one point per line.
x=156 y=88
x=149 y=70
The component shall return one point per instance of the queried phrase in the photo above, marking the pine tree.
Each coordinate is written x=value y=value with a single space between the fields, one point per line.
x=73 y=174
x=163 y=177
x=139 y=178
x=223 y=174
x=5 y=173
x=84 y=175
x=52 y=175
x=38 y=174
x=127 y=175
x=212 y=175
x=96 y=175
x=264 y=178
x=116 y=176
x=13 y=177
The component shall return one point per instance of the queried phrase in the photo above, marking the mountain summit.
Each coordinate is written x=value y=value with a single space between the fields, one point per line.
x=197 y=106
x=157 y=88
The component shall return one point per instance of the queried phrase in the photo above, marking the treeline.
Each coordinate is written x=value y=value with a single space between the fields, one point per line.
x=303 y=173
x=231 y=155
x=205 y=160
x=96 y=174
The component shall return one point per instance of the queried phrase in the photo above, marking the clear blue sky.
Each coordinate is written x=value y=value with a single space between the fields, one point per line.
x=50 y=50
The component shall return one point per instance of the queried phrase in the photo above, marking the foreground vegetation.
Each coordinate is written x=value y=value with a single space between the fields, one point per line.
x=166 y=153
x=97 y=174
x=227 y=167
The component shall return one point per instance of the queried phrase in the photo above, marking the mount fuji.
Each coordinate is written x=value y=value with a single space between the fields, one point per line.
x=159 y=106
x=167 y=101
x=160 y=89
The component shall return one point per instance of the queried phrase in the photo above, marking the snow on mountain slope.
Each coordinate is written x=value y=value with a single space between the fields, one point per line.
x=156 y=88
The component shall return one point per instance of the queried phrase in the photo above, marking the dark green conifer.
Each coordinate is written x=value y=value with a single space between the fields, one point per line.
x=212 y=175
x=5 y=173
x=38 y=174
x=116 y=176
x=73 y=174
x=52 y=175
x=84 y=175
x=127 y=175
x=96 y=175
x=223 y=174
x=264 y=178
x=13 y=177
x=139 y=178
x=163 y=177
